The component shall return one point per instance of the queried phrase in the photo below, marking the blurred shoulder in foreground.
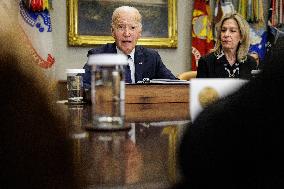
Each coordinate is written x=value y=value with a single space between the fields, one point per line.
x=35 y=151
x=237 y=142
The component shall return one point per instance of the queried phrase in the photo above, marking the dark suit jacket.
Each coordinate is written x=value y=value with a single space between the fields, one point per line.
x=211 y=67
x=148 y=64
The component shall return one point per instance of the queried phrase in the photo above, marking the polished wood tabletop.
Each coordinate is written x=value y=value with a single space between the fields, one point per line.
x=142 y=156
x=143 y=93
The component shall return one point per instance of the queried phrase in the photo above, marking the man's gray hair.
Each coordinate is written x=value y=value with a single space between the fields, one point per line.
x=116 y=15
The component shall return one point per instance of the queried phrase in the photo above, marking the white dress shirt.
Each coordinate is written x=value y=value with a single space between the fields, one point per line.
x=130 y=62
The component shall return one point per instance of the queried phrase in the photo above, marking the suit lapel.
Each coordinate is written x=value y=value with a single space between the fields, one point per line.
x=219 y=67
x=111 y=48
x=138 y=62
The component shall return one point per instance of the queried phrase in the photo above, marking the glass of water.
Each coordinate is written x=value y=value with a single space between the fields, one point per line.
x=108 y=90
x=75 y=87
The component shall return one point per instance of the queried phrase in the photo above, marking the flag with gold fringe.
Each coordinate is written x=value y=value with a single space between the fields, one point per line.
x=202 y=37
x=34 y=19
x=252 y=11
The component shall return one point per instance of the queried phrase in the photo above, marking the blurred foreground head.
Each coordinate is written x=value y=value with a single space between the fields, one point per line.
x=35 y=151
x=237 y=142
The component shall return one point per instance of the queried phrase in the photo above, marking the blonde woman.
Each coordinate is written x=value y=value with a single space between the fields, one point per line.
x=229 y=58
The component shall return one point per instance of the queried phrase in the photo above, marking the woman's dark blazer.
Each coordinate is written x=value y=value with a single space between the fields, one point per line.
x=211 y=67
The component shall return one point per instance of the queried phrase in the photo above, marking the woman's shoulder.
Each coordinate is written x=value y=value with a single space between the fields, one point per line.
x=209 y=57
x=251 y=61
x=250 y=58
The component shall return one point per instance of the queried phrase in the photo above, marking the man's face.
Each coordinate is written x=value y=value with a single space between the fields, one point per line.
x=126 y=32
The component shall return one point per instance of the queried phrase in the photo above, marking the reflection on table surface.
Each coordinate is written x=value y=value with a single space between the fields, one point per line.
x=143 y=156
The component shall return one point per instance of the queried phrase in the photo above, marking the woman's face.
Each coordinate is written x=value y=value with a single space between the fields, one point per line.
x=230 y=35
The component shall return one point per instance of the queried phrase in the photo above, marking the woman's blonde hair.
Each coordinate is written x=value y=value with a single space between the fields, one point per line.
x=244 y=44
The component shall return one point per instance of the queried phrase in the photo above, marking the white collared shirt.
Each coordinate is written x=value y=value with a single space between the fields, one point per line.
x=130 y=63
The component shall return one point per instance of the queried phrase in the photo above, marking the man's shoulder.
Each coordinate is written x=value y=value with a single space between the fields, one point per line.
x=107 y=48
x=146 y=50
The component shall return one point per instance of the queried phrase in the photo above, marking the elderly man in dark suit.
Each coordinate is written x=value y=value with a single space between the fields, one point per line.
x=126 y=28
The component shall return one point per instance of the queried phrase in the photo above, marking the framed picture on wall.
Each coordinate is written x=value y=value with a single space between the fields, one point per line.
x=89 y=22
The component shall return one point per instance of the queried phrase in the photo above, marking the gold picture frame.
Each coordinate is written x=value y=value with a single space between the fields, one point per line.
x=83 y=15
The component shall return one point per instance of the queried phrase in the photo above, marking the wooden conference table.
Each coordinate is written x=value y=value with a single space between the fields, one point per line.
x=142 y=156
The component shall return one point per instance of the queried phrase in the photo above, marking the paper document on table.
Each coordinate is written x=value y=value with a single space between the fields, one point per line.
x=169 y=81
x=165 y=123
x=204 y=91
